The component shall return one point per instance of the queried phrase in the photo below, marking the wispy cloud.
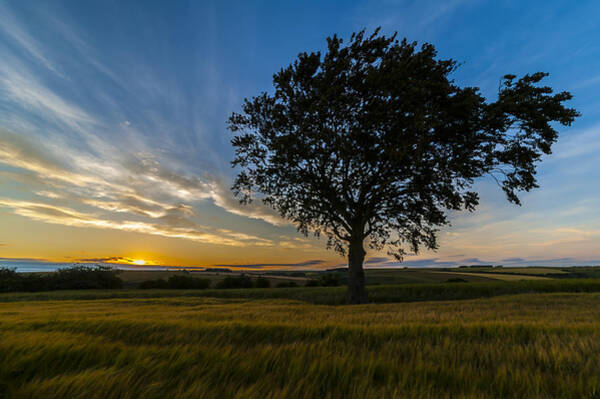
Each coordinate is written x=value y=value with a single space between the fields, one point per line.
x=122 y=189
x=12 y=28
x=106 y=259
x=23 y=260
x=308 y=263
x=70 y=217
x=24 y=89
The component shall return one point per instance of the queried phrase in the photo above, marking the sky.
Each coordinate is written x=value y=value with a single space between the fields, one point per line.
x=114 y=147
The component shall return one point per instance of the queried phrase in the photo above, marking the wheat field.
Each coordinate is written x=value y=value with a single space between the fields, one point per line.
x=527 y=345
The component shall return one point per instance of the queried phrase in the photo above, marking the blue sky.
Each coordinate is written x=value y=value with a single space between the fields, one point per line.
x=113 y=140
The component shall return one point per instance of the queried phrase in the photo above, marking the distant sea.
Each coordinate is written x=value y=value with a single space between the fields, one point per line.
x=29 y=266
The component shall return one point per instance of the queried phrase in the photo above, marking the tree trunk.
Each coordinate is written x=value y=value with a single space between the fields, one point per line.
x=356 y=275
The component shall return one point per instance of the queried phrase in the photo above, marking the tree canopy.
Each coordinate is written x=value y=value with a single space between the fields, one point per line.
x=373 y=141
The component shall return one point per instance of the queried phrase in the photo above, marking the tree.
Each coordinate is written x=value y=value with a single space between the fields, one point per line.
x=372 y=141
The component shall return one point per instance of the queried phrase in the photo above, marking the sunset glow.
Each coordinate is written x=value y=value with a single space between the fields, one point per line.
x=110 y=147
x=139 y=262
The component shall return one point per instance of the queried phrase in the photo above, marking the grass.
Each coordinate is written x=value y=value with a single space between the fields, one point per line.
x=336 y=295
x=514 y=270
x=516 y=346
x=509 y=276
x=132 y=278
x=411 y=276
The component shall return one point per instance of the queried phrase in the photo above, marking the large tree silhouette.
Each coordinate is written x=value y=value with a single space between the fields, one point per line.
x=372 y=142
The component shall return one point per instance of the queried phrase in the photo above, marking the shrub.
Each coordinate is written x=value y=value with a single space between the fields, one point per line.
x=177 y=282
x=73 y=278
x=330 y=280
x=188 y=282
x=456 y=280
x=84 y=277
x=151 y=284
x=235 y=282
x=311 y=283
x=262 y=282
x=287 y=284
x=10 y=280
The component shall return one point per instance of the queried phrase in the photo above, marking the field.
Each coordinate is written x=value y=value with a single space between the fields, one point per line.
x=133 y=278
x=516 y=270
x=543 y=340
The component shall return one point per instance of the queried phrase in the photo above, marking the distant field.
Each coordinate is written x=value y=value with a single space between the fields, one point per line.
x=412 y=276
x=515 y=270
x=335 y=295
x=520 y=346
x=506 y=276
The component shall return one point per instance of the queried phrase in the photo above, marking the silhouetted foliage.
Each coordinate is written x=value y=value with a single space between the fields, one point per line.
x=311 y=283
x=73 y=278
x=188 y=282
x=10 y=281
x=374 y=141
x=287 y=284
x=153 y=284
x=85 y=277
x=177 y=282
x=235 y=282
x=329 y=280
x=217 y=270
x=456 y=280
x=262 y=282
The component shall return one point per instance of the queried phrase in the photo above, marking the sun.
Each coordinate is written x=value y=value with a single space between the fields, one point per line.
x=139 y=262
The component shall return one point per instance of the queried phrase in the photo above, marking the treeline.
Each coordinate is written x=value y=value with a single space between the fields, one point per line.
x=73 y=278
x=81 y=277
x=233 y=282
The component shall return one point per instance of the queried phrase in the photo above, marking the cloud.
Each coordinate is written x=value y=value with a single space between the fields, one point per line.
x=307 y=263
x=430 y=262
x=23 y=260
x=223 y=197
x=25 y=90
x=70 y=217
x=556 y=262
x=12 y=29
x=576 y=144
x=474 y=261
x=125 y=189
x=64 y=148
x=108 y=259
x=512 y=260
x=371 y=261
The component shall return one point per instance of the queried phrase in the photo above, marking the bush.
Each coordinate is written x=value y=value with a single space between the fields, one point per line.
x=456 y=280
x=330 y=280
x=10 y=280
x=151 y=284
x=312 y=283
x=262 y=282
x=188 y=282
x=84 y=277
x=287 y=284
x=235 y=282
x=73 y=278
x=177 y=282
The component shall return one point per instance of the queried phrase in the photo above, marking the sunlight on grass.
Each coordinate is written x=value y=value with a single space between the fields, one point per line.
x=530 y=345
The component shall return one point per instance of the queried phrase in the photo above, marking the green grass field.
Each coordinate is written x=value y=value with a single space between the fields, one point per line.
x=541 y=343
x=133 y=278
x=514 y=270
